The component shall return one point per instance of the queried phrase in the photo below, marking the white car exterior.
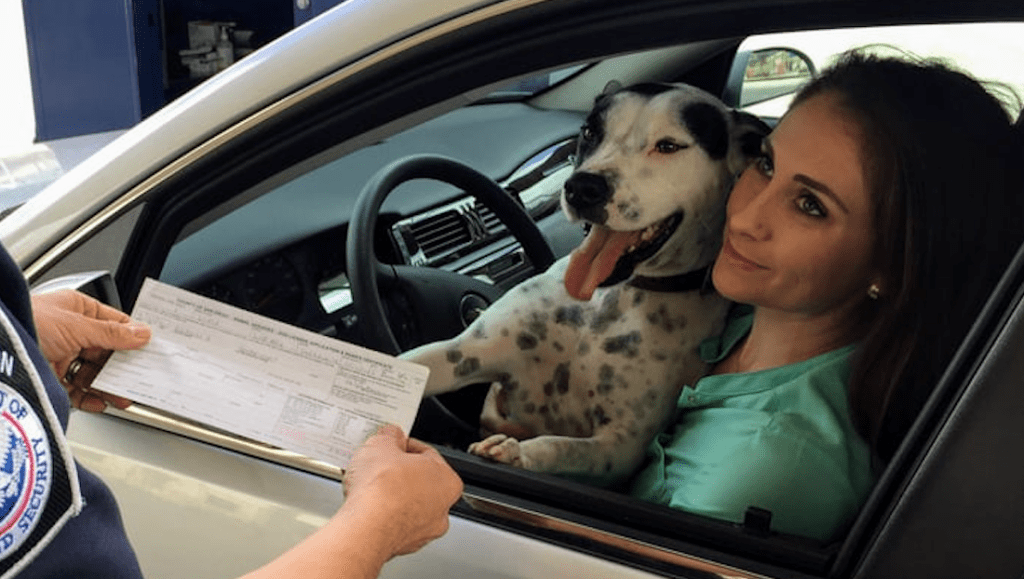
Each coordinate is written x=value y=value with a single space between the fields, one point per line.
x=193 y=510
x=199 y=504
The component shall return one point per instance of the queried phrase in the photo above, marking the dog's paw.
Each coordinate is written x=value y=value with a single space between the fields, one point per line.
x=499 y=448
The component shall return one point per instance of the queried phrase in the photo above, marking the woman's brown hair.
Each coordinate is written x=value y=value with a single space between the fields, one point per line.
x=946 y=169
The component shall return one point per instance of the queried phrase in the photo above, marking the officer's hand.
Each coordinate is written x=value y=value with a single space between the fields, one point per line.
x=402 y=489
x=76 y=335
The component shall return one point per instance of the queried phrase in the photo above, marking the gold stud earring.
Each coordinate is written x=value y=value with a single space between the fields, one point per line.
x=874 y=291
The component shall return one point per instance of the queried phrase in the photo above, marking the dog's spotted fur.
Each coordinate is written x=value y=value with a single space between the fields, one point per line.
x=587 y=362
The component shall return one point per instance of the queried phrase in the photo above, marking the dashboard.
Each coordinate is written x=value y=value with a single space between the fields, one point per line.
x=282 y=254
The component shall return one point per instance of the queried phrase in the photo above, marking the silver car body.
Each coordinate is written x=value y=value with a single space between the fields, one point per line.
x=192 y=509
x=198 y=503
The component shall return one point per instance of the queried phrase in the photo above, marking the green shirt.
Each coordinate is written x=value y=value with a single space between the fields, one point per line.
x=780 y=439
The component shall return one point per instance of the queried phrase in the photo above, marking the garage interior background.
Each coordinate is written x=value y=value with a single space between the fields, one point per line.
x=102 y=65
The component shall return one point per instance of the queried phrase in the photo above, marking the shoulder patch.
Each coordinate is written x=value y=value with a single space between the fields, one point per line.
x=24 y=469
x=39 y=488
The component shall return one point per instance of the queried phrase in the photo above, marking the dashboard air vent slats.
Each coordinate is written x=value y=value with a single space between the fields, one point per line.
x=491 y=222
x=441 y=236
x=441 y=233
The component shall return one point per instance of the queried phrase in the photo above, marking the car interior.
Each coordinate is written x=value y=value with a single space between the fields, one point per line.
x=267 y=221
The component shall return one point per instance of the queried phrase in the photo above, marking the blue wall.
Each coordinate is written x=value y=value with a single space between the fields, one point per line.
x=83 y=66
x=314 y=9
x=102 y=65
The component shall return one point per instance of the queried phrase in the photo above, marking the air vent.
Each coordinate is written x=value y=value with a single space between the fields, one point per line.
x=441 y=233
x=491 y=222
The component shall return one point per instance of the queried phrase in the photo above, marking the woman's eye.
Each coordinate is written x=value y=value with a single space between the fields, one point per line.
x=810 y=205
x=667 y=147
x=765 y=165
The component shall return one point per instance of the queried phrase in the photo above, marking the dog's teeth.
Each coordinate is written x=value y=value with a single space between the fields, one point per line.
x=649 y=232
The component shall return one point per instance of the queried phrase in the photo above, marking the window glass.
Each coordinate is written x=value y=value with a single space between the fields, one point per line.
x=989 y=51
x=530 y=85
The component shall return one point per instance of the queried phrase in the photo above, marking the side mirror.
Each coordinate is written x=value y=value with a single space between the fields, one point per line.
x=97 y=284
x=766 y=74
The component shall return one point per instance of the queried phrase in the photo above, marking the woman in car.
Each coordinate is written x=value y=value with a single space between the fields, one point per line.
x=862 y=245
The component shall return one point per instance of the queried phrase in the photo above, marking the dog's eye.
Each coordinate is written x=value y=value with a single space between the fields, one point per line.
x=588 y=133
x=667 y=147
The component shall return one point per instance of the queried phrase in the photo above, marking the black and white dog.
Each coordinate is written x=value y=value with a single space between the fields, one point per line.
x=587 y=359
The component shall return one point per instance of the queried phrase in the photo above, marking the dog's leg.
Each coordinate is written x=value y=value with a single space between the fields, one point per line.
x=611 y=455
x=458 y=362
x=508 y=339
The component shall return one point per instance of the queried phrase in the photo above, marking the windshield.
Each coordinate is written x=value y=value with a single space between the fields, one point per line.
x=528 y=86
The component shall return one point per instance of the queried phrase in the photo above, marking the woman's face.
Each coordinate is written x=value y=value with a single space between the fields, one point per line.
x=799 y=232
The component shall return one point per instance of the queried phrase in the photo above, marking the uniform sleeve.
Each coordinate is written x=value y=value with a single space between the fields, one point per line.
x=45 y=540
x=781 y=465
x=92 y=545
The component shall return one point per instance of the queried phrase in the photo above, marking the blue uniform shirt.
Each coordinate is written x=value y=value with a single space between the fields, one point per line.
x=87 y=545
x=779 y=439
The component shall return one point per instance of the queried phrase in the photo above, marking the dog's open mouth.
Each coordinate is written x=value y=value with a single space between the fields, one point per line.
x=607 y=257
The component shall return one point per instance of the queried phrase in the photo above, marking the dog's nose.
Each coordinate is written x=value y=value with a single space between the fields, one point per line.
x=586 y=190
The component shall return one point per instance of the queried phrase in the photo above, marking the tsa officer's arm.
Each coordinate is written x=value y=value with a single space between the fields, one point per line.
x=76 y=334
x=397 y=495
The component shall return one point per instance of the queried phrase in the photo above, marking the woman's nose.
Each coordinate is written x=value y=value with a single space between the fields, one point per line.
x=747 y=209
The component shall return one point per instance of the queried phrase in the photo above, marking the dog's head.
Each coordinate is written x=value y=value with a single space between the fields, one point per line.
x=654 y=165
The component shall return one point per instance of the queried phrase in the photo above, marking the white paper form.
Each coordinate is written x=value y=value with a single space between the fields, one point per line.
x=260 y=378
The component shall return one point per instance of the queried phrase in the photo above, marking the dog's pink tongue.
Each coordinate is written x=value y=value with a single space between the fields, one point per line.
x=594 y=260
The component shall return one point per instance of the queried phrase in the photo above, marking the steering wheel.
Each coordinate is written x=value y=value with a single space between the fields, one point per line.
x=429 y=304
x=434 y=297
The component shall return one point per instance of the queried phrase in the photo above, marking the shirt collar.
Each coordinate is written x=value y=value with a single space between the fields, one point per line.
x=715 y=349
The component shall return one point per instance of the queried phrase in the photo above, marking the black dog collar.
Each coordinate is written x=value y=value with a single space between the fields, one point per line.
x=684 y=282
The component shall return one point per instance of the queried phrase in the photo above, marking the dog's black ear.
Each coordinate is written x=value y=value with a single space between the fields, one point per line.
x=748 y=133
x=750 y=130
x=709 y=126
x=612 y=87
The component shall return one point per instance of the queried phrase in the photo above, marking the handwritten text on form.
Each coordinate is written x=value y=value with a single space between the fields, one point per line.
x=261 y=378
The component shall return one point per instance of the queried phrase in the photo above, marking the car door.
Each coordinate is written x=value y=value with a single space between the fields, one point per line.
x=212 y=205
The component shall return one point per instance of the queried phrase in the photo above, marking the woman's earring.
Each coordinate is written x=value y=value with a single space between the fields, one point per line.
x=874 y=291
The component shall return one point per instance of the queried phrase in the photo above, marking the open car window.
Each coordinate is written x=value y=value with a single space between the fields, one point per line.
x=278 y=247
x=982 y=49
